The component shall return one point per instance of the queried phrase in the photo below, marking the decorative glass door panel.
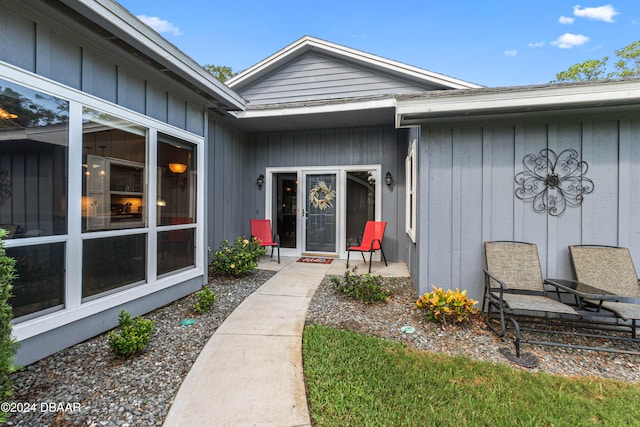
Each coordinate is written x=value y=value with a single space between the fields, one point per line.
x=360 y=203
x=320 y=212
x=285 y=207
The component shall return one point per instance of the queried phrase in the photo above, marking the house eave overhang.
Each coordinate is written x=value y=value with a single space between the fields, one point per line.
x=308 y=115
x=308 y=43
x=415 y=109
x=150 y=45
x=307 y=108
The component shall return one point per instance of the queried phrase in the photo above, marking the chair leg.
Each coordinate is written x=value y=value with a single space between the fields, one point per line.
x=278 y=254
x=348 y=253
x=363 y=258
x=370 y=260
x=383 y=257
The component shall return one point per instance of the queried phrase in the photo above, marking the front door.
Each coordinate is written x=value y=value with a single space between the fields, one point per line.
x=320 y=228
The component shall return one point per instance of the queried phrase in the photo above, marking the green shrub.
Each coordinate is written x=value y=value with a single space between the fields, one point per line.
x=237 y=259
x=8 y=346
x=362 y=287
x=133 y=337
x=205 y=299
x=446 y=306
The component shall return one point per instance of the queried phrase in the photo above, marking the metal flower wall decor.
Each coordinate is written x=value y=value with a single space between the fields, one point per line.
x=553 y=181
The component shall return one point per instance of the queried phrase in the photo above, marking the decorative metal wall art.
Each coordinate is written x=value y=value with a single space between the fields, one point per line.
x=5 y=186
x=552 y=181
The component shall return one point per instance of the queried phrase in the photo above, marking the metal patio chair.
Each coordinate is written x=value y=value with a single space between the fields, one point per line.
x=371 y=241
x=609 y=268
x=514 y=286
x=261 y=231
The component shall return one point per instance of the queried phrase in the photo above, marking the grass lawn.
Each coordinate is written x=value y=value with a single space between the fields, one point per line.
x=360 y=380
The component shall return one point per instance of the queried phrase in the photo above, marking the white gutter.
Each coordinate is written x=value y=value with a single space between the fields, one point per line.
x=521 y=99
x=124 y=25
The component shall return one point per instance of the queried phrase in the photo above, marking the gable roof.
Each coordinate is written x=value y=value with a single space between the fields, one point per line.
x=296 y=62
x=315 y=83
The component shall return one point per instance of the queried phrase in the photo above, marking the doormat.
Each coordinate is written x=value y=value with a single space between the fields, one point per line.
x=315 y=260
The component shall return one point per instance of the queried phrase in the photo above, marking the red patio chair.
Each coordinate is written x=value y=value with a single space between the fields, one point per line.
x=371 y=241
x=261 y=231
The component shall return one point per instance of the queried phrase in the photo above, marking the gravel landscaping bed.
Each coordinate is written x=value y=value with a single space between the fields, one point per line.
x=111 y=391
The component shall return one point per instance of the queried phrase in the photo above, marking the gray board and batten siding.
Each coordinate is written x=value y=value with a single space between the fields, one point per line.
x=467 y=172
x=315 y=76
x=48 y=42
x=355 y=146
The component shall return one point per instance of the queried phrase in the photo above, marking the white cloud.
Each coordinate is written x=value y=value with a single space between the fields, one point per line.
x=600 y=13
x=511 y=52
x=566 y=20
x=537 y=44
x=568 y=40
x=160 y=25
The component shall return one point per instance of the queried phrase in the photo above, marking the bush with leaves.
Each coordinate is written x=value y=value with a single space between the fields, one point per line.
x=8 y=345
x=445 y=307
x=205 y=299
x=133 y=336
x=237 y=259
x=363 y=287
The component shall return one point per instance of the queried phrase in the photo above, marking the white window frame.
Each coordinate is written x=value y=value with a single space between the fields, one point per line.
x=411 y=200
x=74 y=309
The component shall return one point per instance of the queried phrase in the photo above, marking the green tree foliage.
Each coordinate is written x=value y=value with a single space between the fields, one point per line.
x=626 y=65
x=8 y=346
x=220 y=72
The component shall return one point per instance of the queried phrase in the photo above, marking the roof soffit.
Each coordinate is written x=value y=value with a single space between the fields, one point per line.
x=119 y=26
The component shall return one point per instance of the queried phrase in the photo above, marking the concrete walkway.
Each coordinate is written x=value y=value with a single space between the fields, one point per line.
x=250 y=372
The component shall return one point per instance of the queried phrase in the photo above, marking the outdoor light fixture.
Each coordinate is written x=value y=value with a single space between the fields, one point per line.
x=388 y=178
x=177 y=167
x=260 y=181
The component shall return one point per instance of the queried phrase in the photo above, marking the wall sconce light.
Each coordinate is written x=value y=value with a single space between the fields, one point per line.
x=177 y=167
x=388 y=178
x=260 y=181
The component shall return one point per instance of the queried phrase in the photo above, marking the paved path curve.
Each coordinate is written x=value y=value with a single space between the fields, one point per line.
x=250 y=372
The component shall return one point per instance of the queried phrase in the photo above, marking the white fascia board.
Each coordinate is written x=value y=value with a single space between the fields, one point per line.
x=148 y=41
x=308 y=43
x=519 y=100
x=314 y=109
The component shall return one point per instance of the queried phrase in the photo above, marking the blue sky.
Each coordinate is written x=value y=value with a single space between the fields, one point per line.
x=488 y=42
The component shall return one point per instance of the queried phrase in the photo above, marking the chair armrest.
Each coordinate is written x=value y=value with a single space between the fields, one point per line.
x=276 y=238
x=580 y=289
x=503 y=286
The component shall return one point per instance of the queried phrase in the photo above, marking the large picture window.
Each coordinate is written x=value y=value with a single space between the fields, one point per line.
x=176 y=203
x=34 y=138
x=81 y=230
x=113 y=166
x=34 y=135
